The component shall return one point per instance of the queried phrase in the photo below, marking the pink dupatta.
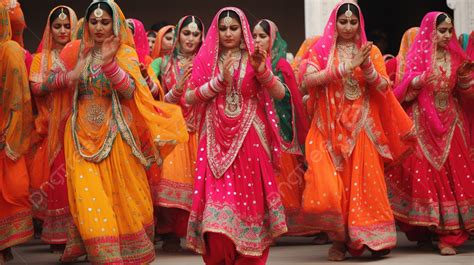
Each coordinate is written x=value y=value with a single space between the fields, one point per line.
x=141 y=41
x=225 y=135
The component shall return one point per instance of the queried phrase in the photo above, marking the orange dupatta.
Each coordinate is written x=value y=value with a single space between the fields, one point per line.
x=16 y=117
x=156 y=52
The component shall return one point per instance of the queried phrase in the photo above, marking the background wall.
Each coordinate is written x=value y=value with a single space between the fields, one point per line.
x=390 y=17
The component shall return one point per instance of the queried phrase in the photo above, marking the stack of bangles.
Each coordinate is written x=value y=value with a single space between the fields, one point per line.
x=57 y=81
x=373 y=77
x=118 y=78
x=267 y=79
x=153 y=87
x=210 y=89
x=465 y=81
x=173 y=95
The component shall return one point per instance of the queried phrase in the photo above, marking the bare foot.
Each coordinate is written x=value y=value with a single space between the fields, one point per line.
x=337 y=252
x=446 y=250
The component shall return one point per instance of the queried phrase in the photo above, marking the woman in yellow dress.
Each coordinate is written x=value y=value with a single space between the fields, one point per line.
x=15 y=127
x=113 y=114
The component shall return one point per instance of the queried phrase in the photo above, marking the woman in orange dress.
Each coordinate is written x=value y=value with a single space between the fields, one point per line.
x=113 y=114
x=17 y=20
x=15 y=128
x=47 y=167
x=357 y=125
x=173 y=194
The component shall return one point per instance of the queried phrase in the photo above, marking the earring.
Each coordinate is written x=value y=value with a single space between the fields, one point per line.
x=242 y=44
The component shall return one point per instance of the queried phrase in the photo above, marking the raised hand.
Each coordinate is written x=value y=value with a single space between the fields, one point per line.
x=258 y=59
x=110 y=47
x=227 y=67
x=466 y=68
x=143 y=70
x=184 y=78
x=427 y=78
x=362 y=55
x=75 y=74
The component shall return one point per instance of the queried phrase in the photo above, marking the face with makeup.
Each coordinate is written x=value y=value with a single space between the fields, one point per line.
x=444 y=33
x=189 y=40
x=261 y=37
x=61 y=30
x=100 y=27
x=230 y=32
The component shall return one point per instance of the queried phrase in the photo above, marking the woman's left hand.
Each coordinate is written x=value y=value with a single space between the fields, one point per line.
x=109 y=49
x=466 y=68
x=258 y=59
x=143 y=70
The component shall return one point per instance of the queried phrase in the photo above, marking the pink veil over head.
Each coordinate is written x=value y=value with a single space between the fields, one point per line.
x=205 y=67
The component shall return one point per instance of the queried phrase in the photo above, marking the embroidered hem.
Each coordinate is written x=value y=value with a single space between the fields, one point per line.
x=171 y=194
x=15 y=229
x=251 y=235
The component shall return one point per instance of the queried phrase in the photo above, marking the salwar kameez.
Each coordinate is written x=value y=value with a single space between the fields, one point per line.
x=433 y=190
x=15 y=129
x=116 y=130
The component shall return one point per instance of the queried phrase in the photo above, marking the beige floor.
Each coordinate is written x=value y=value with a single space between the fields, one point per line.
x=289 y=251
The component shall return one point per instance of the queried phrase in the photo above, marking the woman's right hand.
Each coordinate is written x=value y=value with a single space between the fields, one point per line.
x=75 y=74
x=184 y=78
x=361 y=55
x=227 y=66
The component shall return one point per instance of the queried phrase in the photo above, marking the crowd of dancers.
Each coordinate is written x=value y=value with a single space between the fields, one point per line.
x=112 y=137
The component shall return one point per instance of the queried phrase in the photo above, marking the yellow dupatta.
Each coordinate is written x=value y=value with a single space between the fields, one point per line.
x=159 y=124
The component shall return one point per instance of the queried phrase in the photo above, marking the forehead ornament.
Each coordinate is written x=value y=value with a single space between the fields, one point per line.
x=62 y=16
x=348 y=12
x=228 y=19
x=98 y=12
x=448 y=20
x=193 y=26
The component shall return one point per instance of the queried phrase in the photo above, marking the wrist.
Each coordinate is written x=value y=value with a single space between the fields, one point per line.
x=262 y=69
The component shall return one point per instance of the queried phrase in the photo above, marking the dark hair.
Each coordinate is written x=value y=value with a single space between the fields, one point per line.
x=131 y=25
x=231 y=14
x=265 y=26
x=103 y=5
x=441 y=18
x=157 y=26
x=151 y=33
x=343 y=8
x=168 y=31
x=189 y=19
x=56 y=14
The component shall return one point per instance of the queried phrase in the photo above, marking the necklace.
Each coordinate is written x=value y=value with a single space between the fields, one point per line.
x=346 y=52
x=233 y=102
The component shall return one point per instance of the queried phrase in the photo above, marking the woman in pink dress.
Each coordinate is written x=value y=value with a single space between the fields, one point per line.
x=433 y=191
x=237 y=211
